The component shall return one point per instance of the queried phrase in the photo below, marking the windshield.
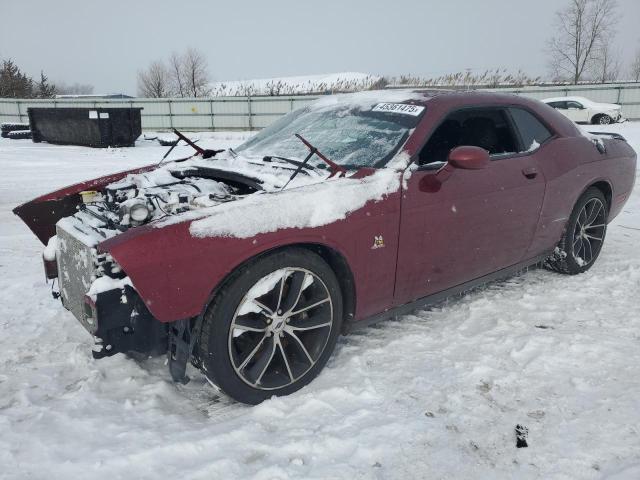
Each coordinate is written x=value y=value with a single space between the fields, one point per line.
x=348 y=135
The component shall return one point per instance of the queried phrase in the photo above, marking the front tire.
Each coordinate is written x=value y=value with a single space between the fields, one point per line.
x=602 y=120
x=271 y=329
x=584 y=235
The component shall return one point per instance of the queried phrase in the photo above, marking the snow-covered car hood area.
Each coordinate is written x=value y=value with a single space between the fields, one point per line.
x=228 y=196
x=277 y=179
x=312 y=205
x=608 y=106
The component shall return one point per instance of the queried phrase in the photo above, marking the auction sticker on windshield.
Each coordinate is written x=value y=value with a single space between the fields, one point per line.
x=403 y=108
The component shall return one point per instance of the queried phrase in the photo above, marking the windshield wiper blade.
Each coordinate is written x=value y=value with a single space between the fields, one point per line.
x=206 y=153
x=297 y=163
x=333 y=167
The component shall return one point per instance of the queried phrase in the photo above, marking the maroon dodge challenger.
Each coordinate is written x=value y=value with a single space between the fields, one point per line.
x=250 y=262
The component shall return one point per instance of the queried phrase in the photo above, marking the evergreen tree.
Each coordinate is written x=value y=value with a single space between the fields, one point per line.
x=14 y=83
x=45 y=89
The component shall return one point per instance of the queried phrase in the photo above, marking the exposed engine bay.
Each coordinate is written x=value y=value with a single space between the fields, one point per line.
x=142 y=198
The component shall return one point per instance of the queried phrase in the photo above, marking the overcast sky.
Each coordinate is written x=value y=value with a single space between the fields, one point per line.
x=105 y=43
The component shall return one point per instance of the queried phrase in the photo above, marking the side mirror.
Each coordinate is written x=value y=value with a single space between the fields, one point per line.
x=468 y=158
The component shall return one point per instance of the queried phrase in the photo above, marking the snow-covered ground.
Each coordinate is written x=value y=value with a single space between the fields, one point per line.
x=436 y=394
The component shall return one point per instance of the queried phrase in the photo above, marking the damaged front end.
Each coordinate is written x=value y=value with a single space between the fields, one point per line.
x=90 y=284
x=101 y=297
x=75 y=222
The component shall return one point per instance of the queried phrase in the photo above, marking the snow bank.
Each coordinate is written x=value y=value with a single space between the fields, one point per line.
x=309 y=206
x=333 y=82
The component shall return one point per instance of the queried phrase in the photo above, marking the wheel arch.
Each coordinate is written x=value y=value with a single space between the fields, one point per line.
x=605 y=187
x=334 y=258
x=601 y=184
x=596 y=116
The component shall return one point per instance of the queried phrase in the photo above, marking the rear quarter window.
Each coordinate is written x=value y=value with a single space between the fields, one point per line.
x=532 y=131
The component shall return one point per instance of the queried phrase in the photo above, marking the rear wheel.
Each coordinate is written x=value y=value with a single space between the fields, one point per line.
x=272 y=327
x=583 y=238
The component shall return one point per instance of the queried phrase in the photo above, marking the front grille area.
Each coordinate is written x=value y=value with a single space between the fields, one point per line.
x=76 y=272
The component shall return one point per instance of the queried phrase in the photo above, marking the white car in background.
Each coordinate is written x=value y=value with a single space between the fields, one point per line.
x=583 y=110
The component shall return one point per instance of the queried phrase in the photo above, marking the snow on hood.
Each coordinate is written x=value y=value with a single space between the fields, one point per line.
x=310 y=206
x=609 y=106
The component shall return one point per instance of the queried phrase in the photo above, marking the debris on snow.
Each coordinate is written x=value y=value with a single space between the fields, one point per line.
x=522 y=433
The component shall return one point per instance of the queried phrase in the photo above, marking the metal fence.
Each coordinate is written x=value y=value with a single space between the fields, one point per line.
x=218 y=113
x=252 y=113
x=625 y=94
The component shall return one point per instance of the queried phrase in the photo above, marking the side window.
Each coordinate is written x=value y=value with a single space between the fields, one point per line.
x=560 y=105
x=487 y=128
x=575 y=105
x=532 y=132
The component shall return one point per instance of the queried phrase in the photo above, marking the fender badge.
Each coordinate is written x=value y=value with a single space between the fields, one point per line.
x=378 y=242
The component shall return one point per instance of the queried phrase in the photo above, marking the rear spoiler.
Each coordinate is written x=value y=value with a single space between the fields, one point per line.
x=615 y=136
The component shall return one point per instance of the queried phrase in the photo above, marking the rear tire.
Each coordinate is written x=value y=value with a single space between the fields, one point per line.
x=272 y=327
x=584 y=235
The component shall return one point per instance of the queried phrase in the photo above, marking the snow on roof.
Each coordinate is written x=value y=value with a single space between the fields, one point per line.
x=368 y=98
x=567 y=99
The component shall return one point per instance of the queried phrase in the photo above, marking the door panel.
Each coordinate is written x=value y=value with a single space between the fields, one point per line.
x=478 y=222
x=577 y=112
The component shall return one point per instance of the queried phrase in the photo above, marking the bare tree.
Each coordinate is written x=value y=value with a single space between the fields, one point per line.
x=189 y=74
x=607 y=65
x=176 y=72
x=195 y=73
x=155 y=81
x=582 y=27
x=635 y=67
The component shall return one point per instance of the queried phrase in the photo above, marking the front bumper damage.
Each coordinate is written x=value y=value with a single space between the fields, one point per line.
x=117 y=318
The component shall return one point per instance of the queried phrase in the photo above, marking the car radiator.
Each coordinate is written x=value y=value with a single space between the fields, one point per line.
x=77 y=269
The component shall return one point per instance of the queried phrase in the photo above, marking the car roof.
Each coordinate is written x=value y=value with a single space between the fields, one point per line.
x=567 y=99
x=422 y=96
x=442 y=101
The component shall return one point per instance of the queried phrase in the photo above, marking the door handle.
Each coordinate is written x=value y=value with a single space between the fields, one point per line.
x=530 y=172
